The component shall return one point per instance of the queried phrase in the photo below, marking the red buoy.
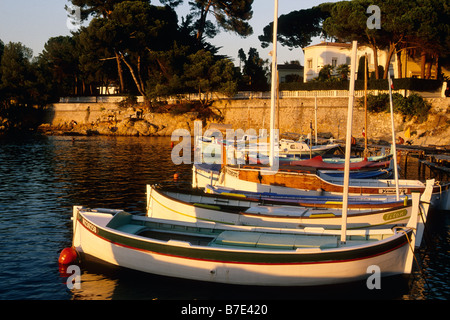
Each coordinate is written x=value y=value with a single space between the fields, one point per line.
x=68 y=256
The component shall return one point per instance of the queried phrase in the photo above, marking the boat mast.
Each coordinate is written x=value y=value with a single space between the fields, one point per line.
x=348 y=141
x=394 y=148
x=366 y=150
x=274 y=86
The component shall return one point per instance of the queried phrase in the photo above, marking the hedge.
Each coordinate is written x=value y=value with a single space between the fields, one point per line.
x=411 y=84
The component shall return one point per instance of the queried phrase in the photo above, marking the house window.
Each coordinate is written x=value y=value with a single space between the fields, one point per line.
x=334 y=62
x=309 y=63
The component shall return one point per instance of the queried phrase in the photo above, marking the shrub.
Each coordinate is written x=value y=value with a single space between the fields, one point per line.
x=413 y=105
x=418 y=107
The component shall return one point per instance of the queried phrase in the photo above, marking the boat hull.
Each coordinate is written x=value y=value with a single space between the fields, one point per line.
x=191 y=208
x=253 y=179
x=304 y=267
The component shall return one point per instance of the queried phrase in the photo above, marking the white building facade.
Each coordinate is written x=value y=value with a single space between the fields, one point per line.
x=335 y=54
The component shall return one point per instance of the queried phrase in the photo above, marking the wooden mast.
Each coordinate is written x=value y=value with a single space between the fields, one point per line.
x=394 y=148
x=274 y=87
x=348 y=142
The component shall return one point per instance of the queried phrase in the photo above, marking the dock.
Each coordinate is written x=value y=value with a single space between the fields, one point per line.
x=434 y=158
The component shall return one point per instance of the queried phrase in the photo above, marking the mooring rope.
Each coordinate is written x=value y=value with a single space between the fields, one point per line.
x=415 y=258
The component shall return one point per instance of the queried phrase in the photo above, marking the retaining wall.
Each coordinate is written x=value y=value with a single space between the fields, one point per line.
x=293 y=115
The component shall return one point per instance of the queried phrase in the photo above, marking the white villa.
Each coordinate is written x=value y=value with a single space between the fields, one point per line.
x=335 y=54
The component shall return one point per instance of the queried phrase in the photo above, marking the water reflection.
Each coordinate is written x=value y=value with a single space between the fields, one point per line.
x=103 y=281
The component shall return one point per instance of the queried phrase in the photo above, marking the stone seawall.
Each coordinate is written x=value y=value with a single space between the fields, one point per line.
x=293 y=115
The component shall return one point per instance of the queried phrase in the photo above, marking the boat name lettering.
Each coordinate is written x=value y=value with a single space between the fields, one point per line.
x=395 y=215
x=89 y=225
x=392 y=191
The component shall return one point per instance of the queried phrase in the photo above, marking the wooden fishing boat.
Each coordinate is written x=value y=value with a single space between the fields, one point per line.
x=241 y=255
x=179 y=205
x=375 y=202
x=212 y=148
x=362 y=169
x=287 y=158
x=261 y=179
x=318 y=163
x=386 y=173
x=298 y=148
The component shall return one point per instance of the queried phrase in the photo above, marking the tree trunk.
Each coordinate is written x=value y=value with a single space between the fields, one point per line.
x=202 y=20
x=120 y=72
x=139 y=86
x=428 y=70
x=423 y=61
x=399 y=64
x=437 y=66
x=375 y=60
x=388 y=60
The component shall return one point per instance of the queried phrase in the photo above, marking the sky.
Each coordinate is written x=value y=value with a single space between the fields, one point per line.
x=33 y=22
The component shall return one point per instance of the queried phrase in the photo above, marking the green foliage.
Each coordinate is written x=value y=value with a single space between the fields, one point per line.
x=416 y=26
x=343 y=70
x=21 y=79
x=411 y=84
x=416 y=106
x=325 y=74
x=129 y=101
x=230 y=15
x=22 y=91
x=412 y=106
x=255 y=71
x=205 y=74
x=297 y=28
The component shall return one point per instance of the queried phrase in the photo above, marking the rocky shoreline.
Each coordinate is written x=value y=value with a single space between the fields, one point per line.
x=135 y=124
x=434 y=132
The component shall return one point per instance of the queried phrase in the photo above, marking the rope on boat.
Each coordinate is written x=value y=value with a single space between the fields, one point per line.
x=415 y=258
x=425 y=229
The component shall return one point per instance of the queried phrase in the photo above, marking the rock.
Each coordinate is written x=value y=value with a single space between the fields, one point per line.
x=145 y=128
x=127 y=122
x=127 y=131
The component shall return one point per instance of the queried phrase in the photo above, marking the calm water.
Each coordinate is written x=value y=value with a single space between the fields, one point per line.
x=42 y=177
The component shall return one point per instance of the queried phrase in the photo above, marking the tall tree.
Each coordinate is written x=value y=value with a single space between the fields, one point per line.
x=206 y=74
x=348 y=22
x=62 y=59
x=396 y=25
x=230 y=15
x=255 y=71
x=141 y=29
x=133 y=30
x=102 y=9
x=430 y=33
x=97 y=8
x=297 y=28
x=17 y=74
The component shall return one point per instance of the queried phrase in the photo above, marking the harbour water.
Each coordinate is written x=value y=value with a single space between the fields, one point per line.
x=42 y=177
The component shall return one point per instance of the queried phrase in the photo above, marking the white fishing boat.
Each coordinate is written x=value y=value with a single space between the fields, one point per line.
x=302 y=148
x=188 y=206
x=241 y=255
x=245 y=147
